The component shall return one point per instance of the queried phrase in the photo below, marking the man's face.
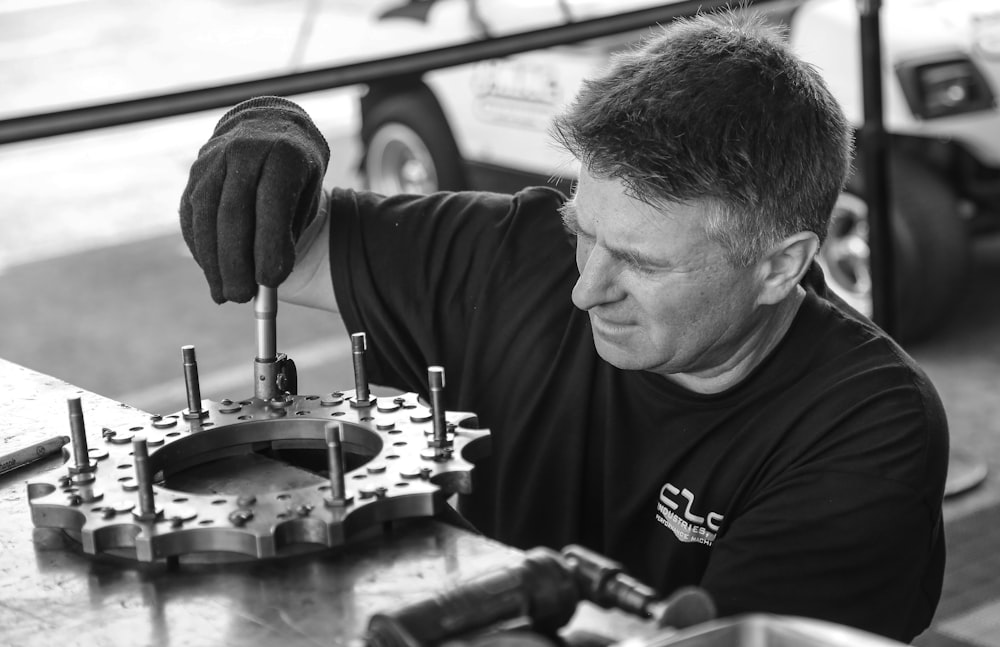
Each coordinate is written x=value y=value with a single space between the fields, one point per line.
x=660 y=294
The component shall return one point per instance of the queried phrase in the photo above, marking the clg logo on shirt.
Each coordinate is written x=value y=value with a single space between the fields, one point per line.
x=675 y=510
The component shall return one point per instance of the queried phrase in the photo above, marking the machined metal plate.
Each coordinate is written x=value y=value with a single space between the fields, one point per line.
x=393 y=472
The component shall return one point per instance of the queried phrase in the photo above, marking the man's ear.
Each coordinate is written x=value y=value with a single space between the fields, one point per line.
x=783 y=267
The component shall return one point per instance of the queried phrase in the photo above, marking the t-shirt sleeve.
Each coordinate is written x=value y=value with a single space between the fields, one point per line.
x=418 y=274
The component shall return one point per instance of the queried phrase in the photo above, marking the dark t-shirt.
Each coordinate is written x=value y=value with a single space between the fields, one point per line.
x=811 y=488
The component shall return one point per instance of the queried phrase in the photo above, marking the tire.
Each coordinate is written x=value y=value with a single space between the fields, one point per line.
x=408 y=146
x=930 y=243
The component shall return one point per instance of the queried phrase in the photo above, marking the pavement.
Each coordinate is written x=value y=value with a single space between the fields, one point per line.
x=969 y=613
x=963 y=360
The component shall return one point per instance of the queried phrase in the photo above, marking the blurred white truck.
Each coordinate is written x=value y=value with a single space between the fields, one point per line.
x=485 y=125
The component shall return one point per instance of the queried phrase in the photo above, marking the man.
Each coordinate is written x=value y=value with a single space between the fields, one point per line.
x=681 y=393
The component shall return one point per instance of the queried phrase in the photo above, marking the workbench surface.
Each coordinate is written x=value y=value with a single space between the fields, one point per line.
x=53 y=593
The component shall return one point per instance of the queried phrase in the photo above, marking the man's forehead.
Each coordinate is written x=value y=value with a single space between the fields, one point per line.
x=610 y=200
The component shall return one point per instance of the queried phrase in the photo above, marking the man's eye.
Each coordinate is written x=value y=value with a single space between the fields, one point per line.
x=639 y=267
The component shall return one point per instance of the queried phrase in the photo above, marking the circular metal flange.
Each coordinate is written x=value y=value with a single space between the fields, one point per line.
x=395 y=481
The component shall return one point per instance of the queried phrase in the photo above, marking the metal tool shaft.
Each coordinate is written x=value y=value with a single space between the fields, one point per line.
x=265 y=309
x=273 y=373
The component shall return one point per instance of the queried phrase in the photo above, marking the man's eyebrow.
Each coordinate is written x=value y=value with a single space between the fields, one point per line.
x=572 y=226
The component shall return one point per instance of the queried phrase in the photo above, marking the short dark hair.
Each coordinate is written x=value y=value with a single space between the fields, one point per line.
x=717 y=107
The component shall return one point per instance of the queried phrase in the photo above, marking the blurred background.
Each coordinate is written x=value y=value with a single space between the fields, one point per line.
x=97 y=287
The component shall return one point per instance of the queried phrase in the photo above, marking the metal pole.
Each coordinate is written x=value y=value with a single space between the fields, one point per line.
x=61 y=122
x=874 y=146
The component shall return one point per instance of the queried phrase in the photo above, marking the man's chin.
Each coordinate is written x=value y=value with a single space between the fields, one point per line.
x=618 y=356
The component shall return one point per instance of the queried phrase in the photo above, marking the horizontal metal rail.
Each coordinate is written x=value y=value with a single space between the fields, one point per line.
x=61 y=122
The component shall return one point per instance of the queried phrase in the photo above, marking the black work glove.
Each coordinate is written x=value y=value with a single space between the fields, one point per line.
x=253 y=189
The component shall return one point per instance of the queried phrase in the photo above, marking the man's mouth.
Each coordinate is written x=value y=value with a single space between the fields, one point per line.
x=608 y=327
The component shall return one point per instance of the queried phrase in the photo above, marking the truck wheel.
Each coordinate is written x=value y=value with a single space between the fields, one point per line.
x=408 y=146
x=930 y=248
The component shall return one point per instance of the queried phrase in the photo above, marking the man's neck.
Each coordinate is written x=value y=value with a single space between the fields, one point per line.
x=757 y=345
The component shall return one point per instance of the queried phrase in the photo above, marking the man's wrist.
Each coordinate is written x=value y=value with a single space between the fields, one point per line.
x=310 y=282
x=271 y=107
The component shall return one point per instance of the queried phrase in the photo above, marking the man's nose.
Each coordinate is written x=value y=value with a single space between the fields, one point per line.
x=598 y=283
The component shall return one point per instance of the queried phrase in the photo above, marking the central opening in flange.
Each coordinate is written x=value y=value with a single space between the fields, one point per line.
x=259 y=456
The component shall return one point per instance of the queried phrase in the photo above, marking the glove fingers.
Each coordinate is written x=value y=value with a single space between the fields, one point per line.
x=199 y=204
x=279 y=199
x=236 y=221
